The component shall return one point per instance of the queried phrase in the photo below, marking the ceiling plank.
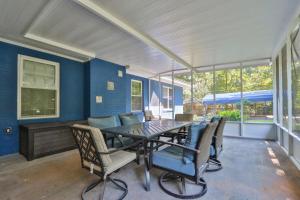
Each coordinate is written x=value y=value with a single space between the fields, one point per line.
x=95 y=8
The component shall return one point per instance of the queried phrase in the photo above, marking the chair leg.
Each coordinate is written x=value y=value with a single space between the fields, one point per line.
x=217 y=165
x=103 y=190
x=90 y=187
x=181 y=194
x=117 y=182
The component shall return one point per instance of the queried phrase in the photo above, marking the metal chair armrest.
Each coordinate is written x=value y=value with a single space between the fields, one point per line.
x=178 y=145
x=137 y=143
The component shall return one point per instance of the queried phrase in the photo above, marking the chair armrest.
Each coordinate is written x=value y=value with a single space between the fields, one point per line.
x=121 y=148
x=177 y=145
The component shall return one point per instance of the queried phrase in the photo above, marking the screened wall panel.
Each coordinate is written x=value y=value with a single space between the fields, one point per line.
x=284 y=88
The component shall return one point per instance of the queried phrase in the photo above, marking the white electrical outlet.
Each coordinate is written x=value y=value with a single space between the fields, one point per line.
x=98 y=99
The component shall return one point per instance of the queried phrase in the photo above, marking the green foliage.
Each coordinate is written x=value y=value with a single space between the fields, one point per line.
x=230 y=115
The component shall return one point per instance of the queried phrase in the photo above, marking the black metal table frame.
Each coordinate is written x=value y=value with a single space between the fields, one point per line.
x=125 y=131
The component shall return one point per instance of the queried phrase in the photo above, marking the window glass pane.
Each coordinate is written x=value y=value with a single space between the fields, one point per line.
x=38 y=75
x=37 y=102
x=228 y=94
x=277 y=89
x=136 y=103
x=203 y=87
x=136 y=89
x=295 y=38
x=136 y=95
x=257 y=94
x=284 y=88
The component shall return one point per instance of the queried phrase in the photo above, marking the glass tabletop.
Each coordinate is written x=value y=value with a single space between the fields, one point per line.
x=147 y=130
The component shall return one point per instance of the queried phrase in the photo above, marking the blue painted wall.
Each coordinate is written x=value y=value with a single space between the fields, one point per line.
x=80 y=83
x=113 y=102
x=155 y=93
x=71 y=92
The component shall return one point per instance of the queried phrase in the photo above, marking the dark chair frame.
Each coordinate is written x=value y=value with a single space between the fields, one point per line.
x=197 y=179
x=213 y=160
x=88 y=152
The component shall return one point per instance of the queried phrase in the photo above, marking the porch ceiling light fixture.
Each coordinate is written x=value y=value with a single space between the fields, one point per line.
x=60 y=45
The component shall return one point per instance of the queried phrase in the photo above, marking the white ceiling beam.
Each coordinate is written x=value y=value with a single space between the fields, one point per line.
x=44 y=13
x=95 y=8
x=59 y=45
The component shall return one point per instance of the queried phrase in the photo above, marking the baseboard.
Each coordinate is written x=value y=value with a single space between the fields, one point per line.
x=294 y=161
x=248 y=138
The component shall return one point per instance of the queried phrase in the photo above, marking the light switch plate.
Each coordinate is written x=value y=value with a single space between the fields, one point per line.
x=98 y=99
x=120 y=73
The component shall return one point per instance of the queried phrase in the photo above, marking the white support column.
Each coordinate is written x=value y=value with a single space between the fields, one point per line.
x=242 y=103
x=280 y=98
x=192 y=90
x=289 y=93
x=214 y=90
x=173 y=96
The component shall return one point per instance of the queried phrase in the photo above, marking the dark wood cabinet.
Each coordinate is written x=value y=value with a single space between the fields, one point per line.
x=41 y=139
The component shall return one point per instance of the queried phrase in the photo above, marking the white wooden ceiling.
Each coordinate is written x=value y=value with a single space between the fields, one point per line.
x=200 y=32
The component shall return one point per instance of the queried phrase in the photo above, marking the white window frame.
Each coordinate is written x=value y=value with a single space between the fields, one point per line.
x=21 y=59
x=169 y=108
x=140 y=95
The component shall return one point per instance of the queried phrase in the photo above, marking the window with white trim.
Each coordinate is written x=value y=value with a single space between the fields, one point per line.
x=167 y=98
x=136 y=95
x=38 y=88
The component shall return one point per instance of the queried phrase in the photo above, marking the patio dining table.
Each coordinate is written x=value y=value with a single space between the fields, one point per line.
x=147 y=131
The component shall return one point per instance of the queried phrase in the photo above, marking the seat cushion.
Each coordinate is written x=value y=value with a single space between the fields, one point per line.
x=130 y=119
x=194 y=133
x=103 y=122
x=170 y=158
x=119 y=159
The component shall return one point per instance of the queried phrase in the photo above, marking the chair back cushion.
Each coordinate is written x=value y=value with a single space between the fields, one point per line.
x=215 y=119
x=184 y=117
x=204 y=144
x=148 y=115
x=89 y=138
x=194 y=134
x=130 y=119
x=103 y=122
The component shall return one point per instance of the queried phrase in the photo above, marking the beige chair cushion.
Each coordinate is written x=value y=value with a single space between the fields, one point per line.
x=184 y=117
x=99 y=142
x=119 y=159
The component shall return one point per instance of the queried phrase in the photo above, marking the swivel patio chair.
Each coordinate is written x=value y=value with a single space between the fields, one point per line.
x=185 y=162
x=216 y=145
x=99 y=160
x=179 y=133
x=149 y=116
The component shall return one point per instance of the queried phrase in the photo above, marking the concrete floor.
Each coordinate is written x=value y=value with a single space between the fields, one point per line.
x=252 y=170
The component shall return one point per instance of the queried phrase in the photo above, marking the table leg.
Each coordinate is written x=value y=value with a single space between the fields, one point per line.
x=146 y=166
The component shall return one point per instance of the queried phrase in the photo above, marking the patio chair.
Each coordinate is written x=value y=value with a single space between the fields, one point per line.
x=188 y=161
x=99 y=160
x=149 y=116
x=108 y=122
x=216 y=145
x=179 y=133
